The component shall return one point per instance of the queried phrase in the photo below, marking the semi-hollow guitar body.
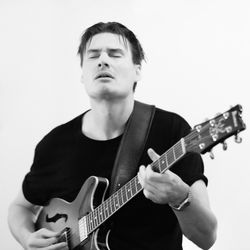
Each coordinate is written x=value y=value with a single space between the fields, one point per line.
x=62 y=216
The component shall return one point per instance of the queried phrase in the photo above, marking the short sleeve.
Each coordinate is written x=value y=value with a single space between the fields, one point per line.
x=190 y=169
x=36 y=182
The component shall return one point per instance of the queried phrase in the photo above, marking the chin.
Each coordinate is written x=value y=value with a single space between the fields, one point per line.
x=110 y=95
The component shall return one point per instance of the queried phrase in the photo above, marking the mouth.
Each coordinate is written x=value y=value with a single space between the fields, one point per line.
x=104 y=75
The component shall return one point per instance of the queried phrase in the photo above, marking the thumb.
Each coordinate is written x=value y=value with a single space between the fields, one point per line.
x=152 y=154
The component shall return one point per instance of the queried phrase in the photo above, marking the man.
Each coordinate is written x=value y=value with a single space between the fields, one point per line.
x=111 y=59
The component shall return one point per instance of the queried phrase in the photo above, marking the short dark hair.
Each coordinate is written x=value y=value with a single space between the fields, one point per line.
x=115 y=28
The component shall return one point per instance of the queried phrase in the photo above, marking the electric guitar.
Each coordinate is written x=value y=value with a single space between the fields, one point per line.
x=80 y=221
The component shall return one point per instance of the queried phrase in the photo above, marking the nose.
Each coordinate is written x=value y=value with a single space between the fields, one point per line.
x=103 y=61
x=103 y=64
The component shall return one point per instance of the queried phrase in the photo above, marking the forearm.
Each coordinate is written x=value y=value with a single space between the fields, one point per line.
x=21 y=222
x=198 y=223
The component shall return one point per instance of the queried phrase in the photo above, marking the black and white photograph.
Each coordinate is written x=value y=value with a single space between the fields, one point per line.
x=124 y=124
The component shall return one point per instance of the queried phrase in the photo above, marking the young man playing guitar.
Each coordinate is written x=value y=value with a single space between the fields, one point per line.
x=172 y=203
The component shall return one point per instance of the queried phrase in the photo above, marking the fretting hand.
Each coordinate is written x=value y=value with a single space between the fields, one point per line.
x=164 y=187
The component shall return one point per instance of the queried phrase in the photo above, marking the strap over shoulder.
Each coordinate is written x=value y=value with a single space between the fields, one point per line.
x=132 y=145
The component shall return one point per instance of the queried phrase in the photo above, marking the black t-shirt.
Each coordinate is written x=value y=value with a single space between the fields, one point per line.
x=65 y=158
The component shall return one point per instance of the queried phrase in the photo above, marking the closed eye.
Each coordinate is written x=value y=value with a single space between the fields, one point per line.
x=93 y=56
x=115 y=55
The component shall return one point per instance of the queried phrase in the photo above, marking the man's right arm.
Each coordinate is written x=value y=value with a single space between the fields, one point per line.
x=21 y=218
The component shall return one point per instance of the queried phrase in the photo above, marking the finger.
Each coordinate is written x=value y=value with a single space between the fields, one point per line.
x=46 y=233
x=159 y=178
x=144 y=177
x=43 y=238
x=148 y=179
x=150 y=195
x=43 y=242
x=61 y=246
x=151 y=175
x=141 y=175
x=152 y=154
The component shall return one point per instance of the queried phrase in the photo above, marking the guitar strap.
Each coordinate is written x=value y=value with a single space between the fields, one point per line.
x=132 y=145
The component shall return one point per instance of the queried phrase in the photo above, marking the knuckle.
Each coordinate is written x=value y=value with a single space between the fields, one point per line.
x=145 y=192
x=41 y=231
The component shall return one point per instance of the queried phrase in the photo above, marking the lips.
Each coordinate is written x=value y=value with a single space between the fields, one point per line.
x=104 y=75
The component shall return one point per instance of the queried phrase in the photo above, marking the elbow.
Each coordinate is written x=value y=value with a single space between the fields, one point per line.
x=206 y=238
x=212 y=234
x=210 y=240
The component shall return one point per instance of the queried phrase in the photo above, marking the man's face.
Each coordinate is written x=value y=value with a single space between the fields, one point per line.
x=108 y=71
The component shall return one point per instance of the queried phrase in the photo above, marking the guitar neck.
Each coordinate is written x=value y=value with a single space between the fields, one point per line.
x=132 y=188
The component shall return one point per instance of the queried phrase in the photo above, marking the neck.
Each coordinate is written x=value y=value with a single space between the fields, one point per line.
x=106 y=120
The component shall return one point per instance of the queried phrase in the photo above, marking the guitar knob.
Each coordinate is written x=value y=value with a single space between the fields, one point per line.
x=237 y=139
x=224 y=145
x=211 y=154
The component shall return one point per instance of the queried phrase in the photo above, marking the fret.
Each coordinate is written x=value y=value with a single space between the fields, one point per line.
x=91 y=221
x=101 y=214
x=163 y=163
x=95 y=219
x=119 y=192
x=133 y=189
x=173 y=152
x=178 y=151
x=116 y=201
x=109 y=206
x=106 y=212
x=128 y=190
x=166 y=159
x=170 y=156
x=88 y=225
x=112 y=204
x=136 y=182
x=98 y=216
x=124 y=194
x=138 y=185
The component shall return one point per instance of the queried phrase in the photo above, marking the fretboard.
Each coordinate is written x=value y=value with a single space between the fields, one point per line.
x=108 y=207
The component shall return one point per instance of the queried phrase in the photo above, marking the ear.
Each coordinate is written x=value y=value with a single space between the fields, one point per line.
x=138 y=72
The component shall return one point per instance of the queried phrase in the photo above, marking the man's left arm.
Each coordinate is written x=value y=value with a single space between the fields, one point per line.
x=197 y=221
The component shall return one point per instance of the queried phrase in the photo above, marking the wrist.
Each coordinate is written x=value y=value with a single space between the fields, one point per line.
x=181 y=204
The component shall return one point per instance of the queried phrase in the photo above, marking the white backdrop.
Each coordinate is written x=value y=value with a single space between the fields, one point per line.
x=198 y=61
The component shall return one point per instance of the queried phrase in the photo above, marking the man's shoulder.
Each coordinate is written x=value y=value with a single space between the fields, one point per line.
x=69 y=125
x=168 y=116
x=63 y=131
x=171 y=123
